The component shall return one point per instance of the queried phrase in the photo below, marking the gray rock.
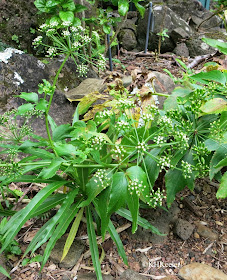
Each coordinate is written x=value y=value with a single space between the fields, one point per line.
x=162 y=220
x=87 y=86
x=73 y=255
x=183 y=229
x=197 y=47
x=181 y=50
x=144 y=261
x=129 y=24
x=92 y=276
x=165 y=18
x=178 y=34
x=127 y=39
x=131 y=275
x=199 y=271
x=22 y=73
x=206 y=232
x=127 y=80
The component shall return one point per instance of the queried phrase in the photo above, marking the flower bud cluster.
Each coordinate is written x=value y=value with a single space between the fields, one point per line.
x=101 y=62
x=136 y=186
x=51 y=52
x=155 y=198
x=182 y=138
x=216 y=131
x=122 y=125
x=165 y=122
x=164 y=162
x=66 y=33
x=97 y=142
x=186 y=169
x=125 y=103
x=119 y=152
x=101 y=178
x=152 y=108
x=146 y=117
x=159 y=140
x=142 y=147
x=82 y=69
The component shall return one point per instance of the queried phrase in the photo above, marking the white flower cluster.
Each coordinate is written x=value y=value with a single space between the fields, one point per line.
x=159 y=140
x=37 y=41
x=182 y=138
x=85 y=39
x=105 y=114
x=119 y=152
x=152 y=108
x=50 y=32
x=142 y=147
x=76 y=45
x=122 y=125
x=82 y=69
x=187 y=169
x=165 y=121
x=51 y=52
x=101 y=178
x=156 y=198
x=136 y=186
x=146 y=117
x=101 y=62
x=77 y=29
x=65 y=33
x=125 y=103
x=66 y=23
x=98 y=142
x=164 y=162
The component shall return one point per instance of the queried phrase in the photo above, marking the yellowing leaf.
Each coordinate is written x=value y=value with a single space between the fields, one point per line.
x=214 y=106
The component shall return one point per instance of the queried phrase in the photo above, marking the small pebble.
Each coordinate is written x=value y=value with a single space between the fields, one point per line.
x=196 y=235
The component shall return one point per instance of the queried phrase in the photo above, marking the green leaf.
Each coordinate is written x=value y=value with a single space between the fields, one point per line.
x=133 y=205
x=50 y=171
x=222 y=163
x=93 y=244
x=52 y=123
x=41 y=5
x=63 y=222
x=69 y=5
x=106 y=28
x=55 y=19
x=4 y=272
x=141 y=221
x=218 y=156
x=211 y=144
x=66 y=16
x=42 y=105
x=80 y=8
x=222 y=190
x=61 y=132
x=175 y=182
x=140 y=8
x=21 y=110
x=152 y=166
x=118 y=192
x=222 y=46
x=52 y=3
x=39 y=153
x=117 y=240
x=123 y=6
x=72 y=233
x=215 y=75
x=214 y=106
x=19 y=219
x=29 y=96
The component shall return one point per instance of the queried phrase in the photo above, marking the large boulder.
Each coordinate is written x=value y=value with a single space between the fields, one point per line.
x=164 y=18
x=20 y=72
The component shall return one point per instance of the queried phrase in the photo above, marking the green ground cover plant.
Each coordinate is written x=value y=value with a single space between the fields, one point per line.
x=108 y=164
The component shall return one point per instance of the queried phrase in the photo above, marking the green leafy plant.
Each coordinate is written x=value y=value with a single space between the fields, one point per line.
x=162 y=36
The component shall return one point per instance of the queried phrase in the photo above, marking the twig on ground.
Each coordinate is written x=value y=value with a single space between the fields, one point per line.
x=199 y=59
x=208 y=247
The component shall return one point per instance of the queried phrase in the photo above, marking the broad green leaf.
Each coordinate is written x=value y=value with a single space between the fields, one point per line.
x=52 y=123
x=118 y=192
x=214 y=75
x=39 y=153
x=133 y=205
x=76 y=22
x=65 y=149
x=222 y=163
x=106 y=28
x=66 y=16
x=152 y=166
x=19 y=219
x=21 y=110
x=41 y=5
x=72 y=233
x=63 y=223
x=61 y=132
x=4 y=272
x=69 y=5
x=218 y=156
x=211 y=144
x=50 y=171
x=117 y=240
x=52 y=3
x=222 y=190
x=175 y=182
x=214 y=106
x=141 y=221
x=123 y=6
x=29 y=96
x=93 y=244
x=171 y=101
x=222 y=46
x=140 y=8
x=55 y=19
x=42 y=105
